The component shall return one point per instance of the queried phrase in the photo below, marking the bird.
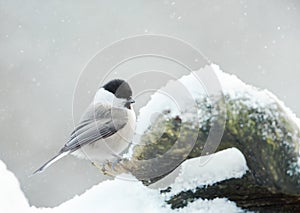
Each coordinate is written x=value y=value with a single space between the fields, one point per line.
x=105 y=129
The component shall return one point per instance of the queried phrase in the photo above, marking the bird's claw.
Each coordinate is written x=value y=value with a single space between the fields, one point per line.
x=111 y=168
x=102 y=169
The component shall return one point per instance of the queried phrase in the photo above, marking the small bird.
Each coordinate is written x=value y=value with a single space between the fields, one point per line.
x=105 y=129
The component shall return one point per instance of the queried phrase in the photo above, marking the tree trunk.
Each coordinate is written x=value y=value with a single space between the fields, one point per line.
x=267 y=136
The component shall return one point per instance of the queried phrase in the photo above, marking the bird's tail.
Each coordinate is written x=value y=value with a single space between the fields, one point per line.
x=51 y=161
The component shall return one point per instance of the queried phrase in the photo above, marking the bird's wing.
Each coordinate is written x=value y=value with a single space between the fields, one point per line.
x=98 y=122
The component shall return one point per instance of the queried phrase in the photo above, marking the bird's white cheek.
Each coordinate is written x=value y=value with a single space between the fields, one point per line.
x=104 y=97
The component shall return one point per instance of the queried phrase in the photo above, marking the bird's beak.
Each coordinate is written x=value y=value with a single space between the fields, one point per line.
x=130 y=101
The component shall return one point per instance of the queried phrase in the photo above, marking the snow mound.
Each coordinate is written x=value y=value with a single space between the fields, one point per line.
x=226 y=164
x=194 y=83
x=12 y=198
x=237 y=89
x=115 y=195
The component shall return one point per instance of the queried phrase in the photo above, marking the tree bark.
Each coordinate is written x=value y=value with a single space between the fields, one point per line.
x=267 y=136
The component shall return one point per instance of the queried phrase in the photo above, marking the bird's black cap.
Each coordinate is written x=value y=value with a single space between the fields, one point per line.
x=119 y=88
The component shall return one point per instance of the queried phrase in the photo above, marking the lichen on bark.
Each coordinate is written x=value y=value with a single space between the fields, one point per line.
x=265 y=133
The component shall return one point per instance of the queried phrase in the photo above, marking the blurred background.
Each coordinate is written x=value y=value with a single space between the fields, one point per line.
x=44 y=46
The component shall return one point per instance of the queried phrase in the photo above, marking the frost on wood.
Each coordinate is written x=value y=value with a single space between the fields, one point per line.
x=257 y=124
x=266 y=136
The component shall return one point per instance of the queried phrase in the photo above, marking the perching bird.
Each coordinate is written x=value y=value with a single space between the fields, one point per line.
x=105 y=129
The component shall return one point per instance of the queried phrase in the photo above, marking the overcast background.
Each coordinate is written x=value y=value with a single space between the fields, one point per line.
x=44 y=45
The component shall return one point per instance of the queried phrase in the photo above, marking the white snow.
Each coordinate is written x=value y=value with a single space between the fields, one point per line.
x=116 y=196
x=229 y=163
x=176 y=96
x=256 y=98
x=194 y=84
x=119 y=195
x=11 y=197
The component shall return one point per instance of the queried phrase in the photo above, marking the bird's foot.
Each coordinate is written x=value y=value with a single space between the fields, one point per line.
x=112 y=168
x=116 y=167
x=102 y=169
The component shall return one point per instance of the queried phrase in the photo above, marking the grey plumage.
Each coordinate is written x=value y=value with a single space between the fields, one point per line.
x=98 y=122
x=106 y=127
